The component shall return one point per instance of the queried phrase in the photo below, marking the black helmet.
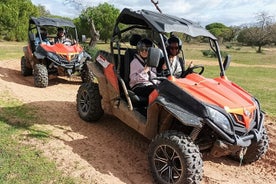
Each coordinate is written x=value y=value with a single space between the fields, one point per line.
x=174 y=39
x=60 y=30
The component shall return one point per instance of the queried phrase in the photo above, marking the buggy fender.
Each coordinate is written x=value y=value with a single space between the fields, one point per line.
x=185 y=117
x=157 y=109
x=38 y=55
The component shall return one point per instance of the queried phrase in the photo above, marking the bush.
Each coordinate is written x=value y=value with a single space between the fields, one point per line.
x=210 y=53
x=91 y=51
x=207 y=53
x=228 y=46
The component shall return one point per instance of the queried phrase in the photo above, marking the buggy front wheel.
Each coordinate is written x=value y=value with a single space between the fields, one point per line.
x=40 y=76
x=174 y=158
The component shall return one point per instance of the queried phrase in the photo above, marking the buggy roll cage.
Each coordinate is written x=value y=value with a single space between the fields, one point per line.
x=161 y=24
x=36 y=23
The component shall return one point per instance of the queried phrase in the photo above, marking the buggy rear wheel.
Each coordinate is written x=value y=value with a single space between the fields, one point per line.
x=174 y=158
x=40 y=76
x=25 y=70
x=89 y=102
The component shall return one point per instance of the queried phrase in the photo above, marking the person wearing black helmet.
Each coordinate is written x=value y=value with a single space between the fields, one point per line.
x=176 y=64
x=61 y=37
x=140 y=73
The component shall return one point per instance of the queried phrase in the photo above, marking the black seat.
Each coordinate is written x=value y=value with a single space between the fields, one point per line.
x=136 y=100
x=129 y=56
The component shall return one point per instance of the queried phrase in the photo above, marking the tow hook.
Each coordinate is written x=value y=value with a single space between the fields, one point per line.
x=242 y=153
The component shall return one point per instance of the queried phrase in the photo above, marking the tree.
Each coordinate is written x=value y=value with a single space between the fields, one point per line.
x=260 y=34
x=104 y=16
x=222 y=32
x=14 y=18
x=43 y=11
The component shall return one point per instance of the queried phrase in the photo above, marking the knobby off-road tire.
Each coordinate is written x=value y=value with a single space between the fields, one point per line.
x=25 y=71
x=89 y=102
x=174 y=158
x=256 y=150
x=40 y=76
x=86 y=74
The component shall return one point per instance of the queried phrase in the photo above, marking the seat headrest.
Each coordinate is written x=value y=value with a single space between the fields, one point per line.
x=134 y=39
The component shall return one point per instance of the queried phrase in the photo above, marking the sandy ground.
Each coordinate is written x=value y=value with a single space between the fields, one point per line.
x=109 y=151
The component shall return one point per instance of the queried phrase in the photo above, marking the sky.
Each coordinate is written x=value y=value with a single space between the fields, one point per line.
x=204 y=12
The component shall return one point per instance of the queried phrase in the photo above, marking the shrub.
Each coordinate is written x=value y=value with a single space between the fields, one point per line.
x=210 y=53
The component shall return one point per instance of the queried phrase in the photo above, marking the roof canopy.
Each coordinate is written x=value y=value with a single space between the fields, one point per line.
x=162 y=22
x=46 y=21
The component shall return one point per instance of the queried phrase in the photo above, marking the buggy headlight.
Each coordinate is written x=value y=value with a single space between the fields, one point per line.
x=53 y=56
x=220 y=120
x=80 y=56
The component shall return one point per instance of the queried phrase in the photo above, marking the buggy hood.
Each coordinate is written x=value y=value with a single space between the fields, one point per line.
x=219 y=92
x=60 y=48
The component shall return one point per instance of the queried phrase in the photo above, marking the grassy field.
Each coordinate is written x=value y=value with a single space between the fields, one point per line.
x=19 y=163
x=11 y=50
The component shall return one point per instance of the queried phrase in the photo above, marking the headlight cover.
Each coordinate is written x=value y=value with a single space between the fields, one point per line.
x=80 y=56
x=220 y=120
x=53 y=56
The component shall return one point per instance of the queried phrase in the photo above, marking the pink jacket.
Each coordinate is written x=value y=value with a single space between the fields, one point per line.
x=137 y=73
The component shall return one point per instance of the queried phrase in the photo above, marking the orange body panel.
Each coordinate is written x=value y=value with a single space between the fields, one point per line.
x=64 y=50
x=111 y=76
x=109 y=72
x=220 y=92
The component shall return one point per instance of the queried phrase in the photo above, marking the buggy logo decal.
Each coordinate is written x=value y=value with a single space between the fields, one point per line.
x=102 y=61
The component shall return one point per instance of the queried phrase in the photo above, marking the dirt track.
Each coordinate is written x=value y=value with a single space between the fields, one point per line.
x=109 y=151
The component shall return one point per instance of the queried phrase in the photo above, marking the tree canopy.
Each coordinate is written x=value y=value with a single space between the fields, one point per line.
x=221 y=31
x=14 y=18
x=104 y=17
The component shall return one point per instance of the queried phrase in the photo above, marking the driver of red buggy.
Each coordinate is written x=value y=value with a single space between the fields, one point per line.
x=61 y=37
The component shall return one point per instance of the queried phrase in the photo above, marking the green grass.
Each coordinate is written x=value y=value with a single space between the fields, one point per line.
x=11 y=50
x=243 y=55
x=20 y=163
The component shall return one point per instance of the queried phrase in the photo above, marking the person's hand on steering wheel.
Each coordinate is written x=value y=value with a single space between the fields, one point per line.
x=192 y=69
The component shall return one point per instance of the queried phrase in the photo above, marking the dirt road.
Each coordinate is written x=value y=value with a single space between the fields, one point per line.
x=109 y=151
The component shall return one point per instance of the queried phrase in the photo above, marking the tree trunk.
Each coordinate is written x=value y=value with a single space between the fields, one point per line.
x=259 y=49
x=95 y=35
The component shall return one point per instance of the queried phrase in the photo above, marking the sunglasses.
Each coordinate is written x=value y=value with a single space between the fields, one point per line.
x=174 y=48
x=144 y=50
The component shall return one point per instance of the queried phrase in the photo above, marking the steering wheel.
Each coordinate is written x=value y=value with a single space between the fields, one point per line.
x=193 y=69
x=67 y=42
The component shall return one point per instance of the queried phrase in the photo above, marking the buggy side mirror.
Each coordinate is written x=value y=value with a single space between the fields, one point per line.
x=153 y=57
x=83 y=38
x=226 y=62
